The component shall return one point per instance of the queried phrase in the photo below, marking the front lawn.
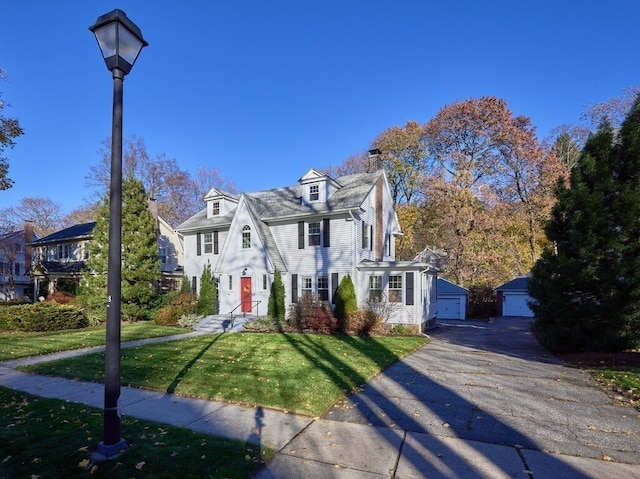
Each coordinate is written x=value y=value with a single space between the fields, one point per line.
x=15 y=345
x=50 y=438
x=292 y=372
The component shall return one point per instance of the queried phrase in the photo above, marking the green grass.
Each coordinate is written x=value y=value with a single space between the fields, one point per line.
x=15 y=345
x=293 y=372
x=623 y=380
x=52 y=438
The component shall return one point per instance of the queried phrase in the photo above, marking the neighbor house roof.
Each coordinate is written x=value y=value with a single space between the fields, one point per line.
x=517 y=284
x=76 y=232
x=447 y=287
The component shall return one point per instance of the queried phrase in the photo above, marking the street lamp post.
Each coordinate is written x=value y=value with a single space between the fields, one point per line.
x=120 y=42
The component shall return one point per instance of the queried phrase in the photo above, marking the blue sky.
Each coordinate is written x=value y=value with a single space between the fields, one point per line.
x=265 y=90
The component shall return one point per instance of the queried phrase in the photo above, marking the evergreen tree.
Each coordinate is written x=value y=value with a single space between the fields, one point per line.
x=208 y=298
x=346 y=301
x=140 y=261
x=587 y=289
x=276 y=306
x=185 y=285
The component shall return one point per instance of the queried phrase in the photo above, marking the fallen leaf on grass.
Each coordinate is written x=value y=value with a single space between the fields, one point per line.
x=84 y=463
x=140 y=465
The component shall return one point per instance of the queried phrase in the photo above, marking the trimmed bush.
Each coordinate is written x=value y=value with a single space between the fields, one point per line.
x=365 y=322
x=276 y=308
x=182 y=305
x=346 y=301
x=310 y=314
x=46 y=316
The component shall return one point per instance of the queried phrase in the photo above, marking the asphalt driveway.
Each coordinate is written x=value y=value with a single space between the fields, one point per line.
x=481 y=400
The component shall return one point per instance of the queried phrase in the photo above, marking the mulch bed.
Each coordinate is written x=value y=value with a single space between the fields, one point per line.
x=602 y=360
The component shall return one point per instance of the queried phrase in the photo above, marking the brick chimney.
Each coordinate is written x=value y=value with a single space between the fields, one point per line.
x=374 y=162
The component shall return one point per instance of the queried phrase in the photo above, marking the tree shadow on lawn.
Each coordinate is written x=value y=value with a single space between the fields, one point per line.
x=185 y=370
x=431 y=413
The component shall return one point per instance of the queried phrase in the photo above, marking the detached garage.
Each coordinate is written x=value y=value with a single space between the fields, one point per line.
x=452 y=300
x=513 y=298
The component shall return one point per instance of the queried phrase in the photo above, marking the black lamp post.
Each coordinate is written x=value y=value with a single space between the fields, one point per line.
x=120 y=42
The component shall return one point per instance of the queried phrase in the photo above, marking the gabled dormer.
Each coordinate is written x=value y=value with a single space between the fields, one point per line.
x=219 y=203
x=317 y=187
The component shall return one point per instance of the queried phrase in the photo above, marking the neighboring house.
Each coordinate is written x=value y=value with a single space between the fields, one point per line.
x=314 y=233
x=15 y=262
x=61 y=256
x=452 y=300
x=513 y=298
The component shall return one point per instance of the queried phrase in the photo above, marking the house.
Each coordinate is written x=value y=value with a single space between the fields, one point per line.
x=60 y=257
x=314 y=233
x=15 y=262
x=513 y=298
x=452 y=300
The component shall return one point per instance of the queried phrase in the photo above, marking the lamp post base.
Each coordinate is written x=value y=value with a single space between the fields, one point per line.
x=110 y=451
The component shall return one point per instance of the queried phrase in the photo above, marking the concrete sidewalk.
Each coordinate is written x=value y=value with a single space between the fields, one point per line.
x=480 y=401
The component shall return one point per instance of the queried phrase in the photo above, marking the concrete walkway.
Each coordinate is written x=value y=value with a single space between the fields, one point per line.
x=480 y=401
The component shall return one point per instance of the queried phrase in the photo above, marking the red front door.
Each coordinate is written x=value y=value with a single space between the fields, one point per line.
x=245 y=294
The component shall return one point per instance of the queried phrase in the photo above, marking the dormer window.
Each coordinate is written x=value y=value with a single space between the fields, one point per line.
x=314 y=193
x=215 y=208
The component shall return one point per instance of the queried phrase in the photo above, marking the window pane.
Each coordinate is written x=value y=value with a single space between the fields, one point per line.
x=246 y=237
x=314 y=234
x=395 y=289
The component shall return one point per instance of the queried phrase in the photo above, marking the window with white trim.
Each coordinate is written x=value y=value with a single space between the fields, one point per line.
x=246 y=237
x=375 y=288
x=64 y=251
x=395 y=289
x=314 y=193
x=215 y=208
x=314 y=233
x=306 y=285
x=323 y=288
x=207 y=240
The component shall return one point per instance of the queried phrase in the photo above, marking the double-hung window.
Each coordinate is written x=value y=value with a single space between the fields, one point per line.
x=215 y=208
x=208 y=242
x=314 y=193
x=375 y=288
x=314 y=233
x=323 y=288
x=395 y=288
x=306 y=286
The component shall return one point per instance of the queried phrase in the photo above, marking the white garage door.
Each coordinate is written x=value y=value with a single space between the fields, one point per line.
x=516 y=305
x=449 y=308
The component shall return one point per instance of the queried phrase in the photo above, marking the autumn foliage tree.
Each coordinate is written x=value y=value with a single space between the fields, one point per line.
x=10 y=129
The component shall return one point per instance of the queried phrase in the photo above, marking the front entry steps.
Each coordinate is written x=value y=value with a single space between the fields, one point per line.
x=224 y=323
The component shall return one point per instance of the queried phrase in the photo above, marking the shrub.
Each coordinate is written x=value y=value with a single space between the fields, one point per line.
x=61 y=297
x=365 y=322
x=181 y=305
x=45 y=316
x=310 y=314
x=346 y=301
x=482 y=302
x=266 y=324
x=189 y=320
x=208 y=299
x=405 y=330
x=276 y=308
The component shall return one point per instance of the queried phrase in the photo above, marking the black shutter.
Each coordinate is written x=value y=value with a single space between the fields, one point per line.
x=294 y=288
x=364 y=235
x=408 y=289
x=334 y=287
x=300 y=234
x=326 y=235
x=370 y=237
x=215 y=242
x=198 y=244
